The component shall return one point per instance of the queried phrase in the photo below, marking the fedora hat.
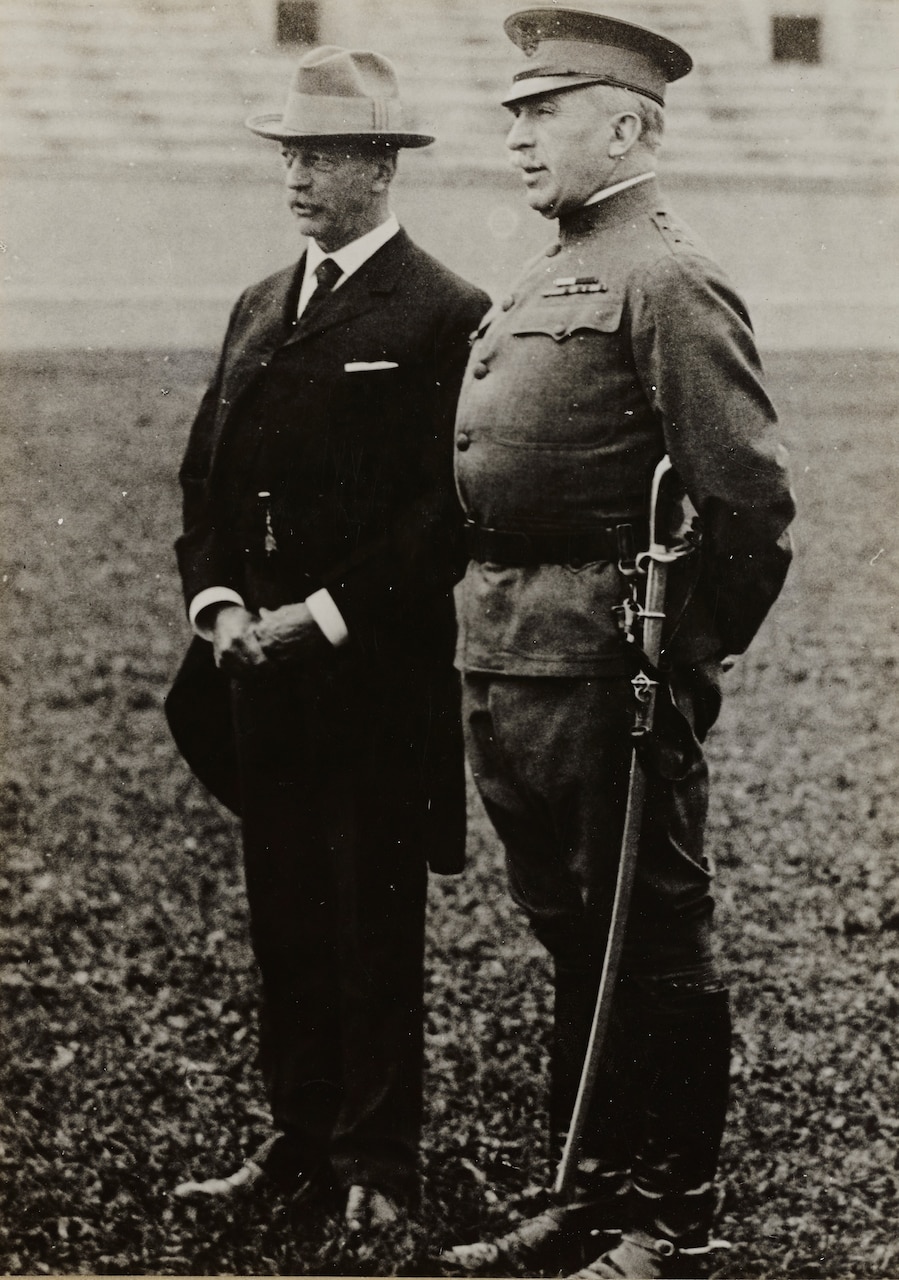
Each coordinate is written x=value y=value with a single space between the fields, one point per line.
x=570 y=47
x=341 y=93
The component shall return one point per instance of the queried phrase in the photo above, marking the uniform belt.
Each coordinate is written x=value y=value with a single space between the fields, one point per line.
x=614 y=542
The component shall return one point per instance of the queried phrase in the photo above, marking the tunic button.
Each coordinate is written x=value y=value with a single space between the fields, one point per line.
x=462 y=441
x=553 y=250
x=508 y=303
x=560 y=330
x=480 y=370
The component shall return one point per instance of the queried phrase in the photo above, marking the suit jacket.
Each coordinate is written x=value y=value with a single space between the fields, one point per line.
x=359 y=402
x=623 y=341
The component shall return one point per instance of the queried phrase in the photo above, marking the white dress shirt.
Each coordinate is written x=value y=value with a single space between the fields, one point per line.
x=320 y=604
x=350 y=258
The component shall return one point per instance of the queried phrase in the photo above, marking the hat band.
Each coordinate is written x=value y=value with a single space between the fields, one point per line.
x=589 y=77
x=319 y=114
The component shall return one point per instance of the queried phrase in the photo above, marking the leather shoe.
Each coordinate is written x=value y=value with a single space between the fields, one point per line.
x=369 y=1211
x=642 y=1256
x=273 y=1169
x=378 y=1228
x=562 y=1237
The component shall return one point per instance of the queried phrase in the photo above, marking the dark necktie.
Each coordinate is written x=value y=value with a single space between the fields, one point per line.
x=327 y=273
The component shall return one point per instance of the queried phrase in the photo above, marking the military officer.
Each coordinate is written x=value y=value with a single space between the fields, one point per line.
x=624 y=341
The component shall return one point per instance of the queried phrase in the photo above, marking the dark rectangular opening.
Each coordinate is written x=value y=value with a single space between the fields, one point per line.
x=795 y=39
x=296 y=22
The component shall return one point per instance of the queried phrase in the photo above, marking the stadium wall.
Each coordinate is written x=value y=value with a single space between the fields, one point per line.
x=158 y=262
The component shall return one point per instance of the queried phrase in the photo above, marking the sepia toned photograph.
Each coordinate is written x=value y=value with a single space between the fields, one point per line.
x=448 y=817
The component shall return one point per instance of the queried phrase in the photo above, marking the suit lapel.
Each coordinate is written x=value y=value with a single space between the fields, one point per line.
x=265 y=325
x=365 y=290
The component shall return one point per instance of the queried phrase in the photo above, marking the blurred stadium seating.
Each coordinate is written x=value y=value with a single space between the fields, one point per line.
x=94 y=96
x=136 y=81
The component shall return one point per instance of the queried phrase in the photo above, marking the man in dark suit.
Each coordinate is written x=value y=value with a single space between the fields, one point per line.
x=319 y=551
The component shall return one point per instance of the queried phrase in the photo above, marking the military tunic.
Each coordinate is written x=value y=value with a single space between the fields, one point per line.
x=623 y=341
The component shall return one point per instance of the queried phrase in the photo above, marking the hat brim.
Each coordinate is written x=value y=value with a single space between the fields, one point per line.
x=533 y=86
x=271 y=126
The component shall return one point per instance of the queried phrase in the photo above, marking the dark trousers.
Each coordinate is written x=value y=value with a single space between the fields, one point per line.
x=336 y=882
x=551 y=759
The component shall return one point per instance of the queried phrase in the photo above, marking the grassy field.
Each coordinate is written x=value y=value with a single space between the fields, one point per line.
x=129 y=990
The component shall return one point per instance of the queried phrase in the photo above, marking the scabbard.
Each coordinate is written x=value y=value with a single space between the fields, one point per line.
x=653 y=619
x=627 y=870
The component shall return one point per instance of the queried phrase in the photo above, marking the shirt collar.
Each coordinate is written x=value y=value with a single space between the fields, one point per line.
x=352 y=256
x=618 y=186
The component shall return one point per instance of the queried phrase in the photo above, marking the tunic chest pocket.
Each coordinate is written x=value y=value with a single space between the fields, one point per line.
x=566 y=317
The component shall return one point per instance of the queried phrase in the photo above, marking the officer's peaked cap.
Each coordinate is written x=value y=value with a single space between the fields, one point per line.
x=570 y=47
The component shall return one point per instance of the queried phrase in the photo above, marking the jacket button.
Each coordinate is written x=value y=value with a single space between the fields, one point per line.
x=560 y=330
x=553 y=250
x=462 y=441
x=508 y=303
x=480 y=370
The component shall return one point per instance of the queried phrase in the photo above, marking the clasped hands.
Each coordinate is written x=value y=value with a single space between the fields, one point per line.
x=243 y=642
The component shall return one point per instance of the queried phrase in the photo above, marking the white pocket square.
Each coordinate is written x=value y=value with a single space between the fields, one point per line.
x=366 y=366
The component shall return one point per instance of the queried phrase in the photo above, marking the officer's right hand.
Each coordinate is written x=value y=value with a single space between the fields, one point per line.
x=234 y=645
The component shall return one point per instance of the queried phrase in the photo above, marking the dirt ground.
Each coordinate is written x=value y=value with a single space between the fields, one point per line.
x=129 y=989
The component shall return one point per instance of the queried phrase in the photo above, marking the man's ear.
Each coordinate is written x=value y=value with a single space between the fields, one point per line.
x=626 y=130
x=385 y=170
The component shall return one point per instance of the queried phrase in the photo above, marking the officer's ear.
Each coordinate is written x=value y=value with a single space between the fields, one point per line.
x=625 y=131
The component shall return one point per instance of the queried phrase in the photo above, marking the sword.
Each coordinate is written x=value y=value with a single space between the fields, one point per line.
x=656 y=559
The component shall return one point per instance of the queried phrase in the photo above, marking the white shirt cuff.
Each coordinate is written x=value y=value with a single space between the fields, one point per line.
x=203 y=599
x=325 y=612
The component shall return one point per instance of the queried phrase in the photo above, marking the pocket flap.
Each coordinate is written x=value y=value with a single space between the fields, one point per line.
x=560 y=320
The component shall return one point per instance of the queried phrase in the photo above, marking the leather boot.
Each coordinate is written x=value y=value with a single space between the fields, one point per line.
x=612 y=1122
x=686 y=1103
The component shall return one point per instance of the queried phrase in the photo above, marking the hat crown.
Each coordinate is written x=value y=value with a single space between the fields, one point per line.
x=565 y=47
x=332 y=72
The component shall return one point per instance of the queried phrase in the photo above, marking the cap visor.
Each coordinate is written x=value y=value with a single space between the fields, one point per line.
x=536 y=85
